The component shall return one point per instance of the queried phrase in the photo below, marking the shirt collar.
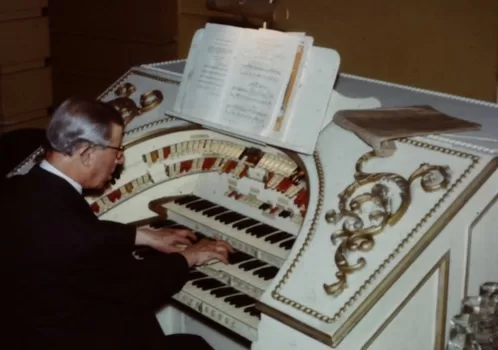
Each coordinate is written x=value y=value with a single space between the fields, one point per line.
x=50 y=168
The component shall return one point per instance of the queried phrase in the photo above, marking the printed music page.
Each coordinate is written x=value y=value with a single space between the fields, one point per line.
x=264 y=85
x=260 y=77
x=208 y=69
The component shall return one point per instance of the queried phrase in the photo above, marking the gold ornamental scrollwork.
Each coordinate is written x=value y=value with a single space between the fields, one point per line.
x=128 y=108
x=367 y=206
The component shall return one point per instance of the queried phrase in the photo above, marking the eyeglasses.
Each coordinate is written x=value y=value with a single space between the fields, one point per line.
x=120 y=150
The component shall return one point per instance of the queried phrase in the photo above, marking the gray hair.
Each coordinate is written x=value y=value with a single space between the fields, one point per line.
x=77 y=122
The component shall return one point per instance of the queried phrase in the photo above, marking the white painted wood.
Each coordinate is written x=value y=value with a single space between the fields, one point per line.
x=415 y=309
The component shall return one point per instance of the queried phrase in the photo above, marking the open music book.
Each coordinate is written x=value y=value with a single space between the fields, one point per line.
x=260 y=84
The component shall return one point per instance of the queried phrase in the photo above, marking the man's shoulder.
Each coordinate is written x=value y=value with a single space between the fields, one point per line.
x=19 y=184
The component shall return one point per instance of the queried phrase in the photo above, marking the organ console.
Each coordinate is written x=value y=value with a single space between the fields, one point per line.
x=338 y=249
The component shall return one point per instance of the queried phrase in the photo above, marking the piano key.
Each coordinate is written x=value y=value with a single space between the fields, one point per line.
x=241 y=225
x=251 y=265
x=200 y=205
x=267 y=273
x=238 y=257
x=239 y=300
x=287 y=244
x=235 y=233
x=253 y=311
x=194 y=275
x=261 y=230
x=160 y=223
x=224 y=291
x=239 y=278
x=214 y=211
x=277 y=237
x=207 y=283
x=186 y=199
x=217 y=309
x=229 y=217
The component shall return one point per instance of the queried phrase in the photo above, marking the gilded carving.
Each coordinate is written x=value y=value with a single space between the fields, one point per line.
x=128 y=108
x=366 y=207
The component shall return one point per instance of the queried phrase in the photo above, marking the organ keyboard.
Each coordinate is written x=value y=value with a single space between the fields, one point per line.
x=227 y=294
x=341 y=248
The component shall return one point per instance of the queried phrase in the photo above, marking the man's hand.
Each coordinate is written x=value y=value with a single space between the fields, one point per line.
x=165 y=240
x=205 y=250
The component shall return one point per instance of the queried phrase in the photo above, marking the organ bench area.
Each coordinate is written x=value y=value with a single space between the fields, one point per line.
x=338 y=249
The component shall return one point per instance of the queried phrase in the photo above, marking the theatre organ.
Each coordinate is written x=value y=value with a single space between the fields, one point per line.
x=341 y=248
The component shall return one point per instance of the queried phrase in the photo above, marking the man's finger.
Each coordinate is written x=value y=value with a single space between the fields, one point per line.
x=221 y=257
x=173 y=249
x=183 y=240
x=186 y=233
x=225 y=245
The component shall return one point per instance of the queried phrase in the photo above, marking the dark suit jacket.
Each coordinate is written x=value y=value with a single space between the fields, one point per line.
x=70 y=278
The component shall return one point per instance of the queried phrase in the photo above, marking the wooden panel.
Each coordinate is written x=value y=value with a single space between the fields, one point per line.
x=448 y=45
x=152 y=21
x=66 y=85
x=442 y=45
x=25 y=91
x=16 y=5
x=32 y=123
x=24 y=40
x=104 y=57
x=20 y=14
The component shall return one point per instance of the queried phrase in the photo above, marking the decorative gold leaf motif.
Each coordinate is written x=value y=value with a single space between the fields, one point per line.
x=128 y=108
x=383 y=203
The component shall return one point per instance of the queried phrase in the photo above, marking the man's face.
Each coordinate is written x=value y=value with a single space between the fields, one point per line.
x=104 y=160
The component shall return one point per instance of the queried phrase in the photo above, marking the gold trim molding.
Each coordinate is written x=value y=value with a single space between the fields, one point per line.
x=442 y=266
x=429 y=235
x=361 y=226
x=470 y=235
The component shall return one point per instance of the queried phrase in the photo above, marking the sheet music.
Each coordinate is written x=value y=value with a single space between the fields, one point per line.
x=264 y=85
x=206 y=82
x=260 y=76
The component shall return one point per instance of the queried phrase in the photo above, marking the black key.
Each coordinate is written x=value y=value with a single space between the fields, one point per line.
x=251 y=310
x=200 y=236
x=277 y=237
x=214 y=211
x=267 y=273
x=234 y=218
x=251 y=265
x=162 y=223
x=229 y=217
x=207 y=283
x=245 y=224
x=238 y=257
x=223 y=292
x=287 y=244
x=194 y=275
x=240 y=300
x=285 y=214
x=186 y=199
x=264 y=206
x=200 y=205
x=261 y=230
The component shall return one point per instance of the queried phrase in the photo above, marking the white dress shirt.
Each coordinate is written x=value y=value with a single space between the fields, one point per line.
x=50 y=168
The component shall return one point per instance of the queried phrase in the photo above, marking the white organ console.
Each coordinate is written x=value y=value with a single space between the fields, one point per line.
x=338 y=249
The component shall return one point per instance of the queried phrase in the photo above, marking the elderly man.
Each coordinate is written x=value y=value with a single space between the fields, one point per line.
x=71 y=279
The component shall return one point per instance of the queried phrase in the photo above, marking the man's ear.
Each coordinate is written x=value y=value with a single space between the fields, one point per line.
x=86 y=155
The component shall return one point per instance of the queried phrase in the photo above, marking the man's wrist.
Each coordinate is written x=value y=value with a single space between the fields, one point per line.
x=190 y=257
x=143 y=237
